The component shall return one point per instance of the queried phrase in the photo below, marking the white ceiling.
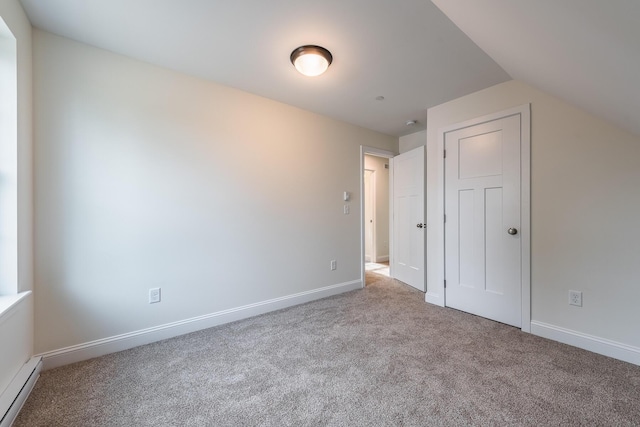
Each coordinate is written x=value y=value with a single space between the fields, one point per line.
x=407 y=51
x=584 y=51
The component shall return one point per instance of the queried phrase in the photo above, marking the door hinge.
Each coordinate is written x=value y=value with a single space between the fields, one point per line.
x=445 y=217
x=445 y=284
x=444 y=154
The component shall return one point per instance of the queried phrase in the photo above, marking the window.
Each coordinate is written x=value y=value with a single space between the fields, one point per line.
x=8 y=162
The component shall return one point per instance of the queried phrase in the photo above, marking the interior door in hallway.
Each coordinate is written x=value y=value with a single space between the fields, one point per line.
x=369 y=214
x=483 y=253
x=408 y=218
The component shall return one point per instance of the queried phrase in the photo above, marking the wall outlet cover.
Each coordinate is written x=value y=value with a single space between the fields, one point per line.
x=575 y=298
x=154 y=295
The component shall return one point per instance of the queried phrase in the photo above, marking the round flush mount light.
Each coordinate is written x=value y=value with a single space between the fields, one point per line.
x=411 y=122
x=311 y=60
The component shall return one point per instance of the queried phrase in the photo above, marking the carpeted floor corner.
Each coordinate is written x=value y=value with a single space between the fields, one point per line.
x=379 y=356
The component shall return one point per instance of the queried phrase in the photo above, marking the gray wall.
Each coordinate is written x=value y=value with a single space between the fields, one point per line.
x=585 y=175
x=150 y=178
x=411 y=141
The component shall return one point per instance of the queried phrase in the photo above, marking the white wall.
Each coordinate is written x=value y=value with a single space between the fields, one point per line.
x=16 y=325
x=585 y=209
x=150 y=178
x=411 y=141
x=381 y=175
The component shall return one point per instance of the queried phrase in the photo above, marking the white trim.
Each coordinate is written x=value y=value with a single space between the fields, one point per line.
x=525 y=202
x=382 y=258
x=13 y=398
x=592 y=343
x=89 y=350
x=373 y=151
x=525 y=214
x=433 y=298
x=9 y=302
x=388 y=155
x=391 y=214
x=437 y=290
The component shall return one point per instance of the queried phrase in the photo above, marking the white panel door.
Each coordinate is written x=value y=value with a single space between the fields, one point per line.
x=408 y=218
x=483 y=252
x=369 y=213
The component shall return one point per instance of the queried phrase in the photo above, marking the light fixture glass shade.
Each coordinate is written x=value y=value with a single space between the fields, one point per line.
x=311 y=64
x=311 y=60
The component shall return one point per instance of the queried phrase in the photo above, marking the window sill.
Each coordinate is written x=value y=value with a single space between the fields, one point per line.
x=8 y=302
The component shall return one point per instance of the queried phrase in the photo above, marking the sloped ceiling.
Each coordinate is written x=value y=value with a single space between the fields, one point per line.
x=413 y=53
x=586 y=52
x=407 y=51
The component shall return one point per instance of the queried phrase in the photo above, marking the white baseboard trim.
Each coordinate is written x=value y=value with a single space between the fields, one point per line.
x=592 y=343
x=13 y=398
x=89 y=350
x=382 y=258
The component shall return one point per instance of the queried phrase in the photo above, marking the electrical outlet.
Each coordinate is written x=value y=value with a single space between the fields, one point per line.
x=154 y=295
x=346 y=209
x=575 y=298
x=334 y=264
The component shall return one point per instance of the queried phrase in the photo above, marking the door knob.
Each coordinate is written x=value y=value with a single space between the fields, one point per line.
x=421 y=225
x=512 y=231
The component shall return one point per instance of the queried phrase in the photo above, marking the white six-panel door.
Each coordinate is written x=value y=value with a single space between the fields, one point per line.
x=408 y=218
x=483 y=254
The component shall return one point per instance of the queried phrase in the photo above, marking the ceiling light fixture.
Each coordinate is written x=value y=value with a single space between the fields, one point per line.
x=411 y=122
x=311 y=60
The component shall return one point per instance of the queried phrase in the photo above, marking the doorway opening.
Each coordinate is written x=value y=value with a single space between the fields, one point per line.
x=376 y=210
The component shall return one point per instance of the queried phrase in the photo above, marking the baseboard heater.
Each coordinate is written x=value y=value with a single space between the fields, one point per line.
x=16 y=394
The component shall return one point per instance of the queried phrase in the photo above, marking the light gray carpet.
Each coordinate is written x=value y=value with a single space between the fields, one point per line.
x=378 y=356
